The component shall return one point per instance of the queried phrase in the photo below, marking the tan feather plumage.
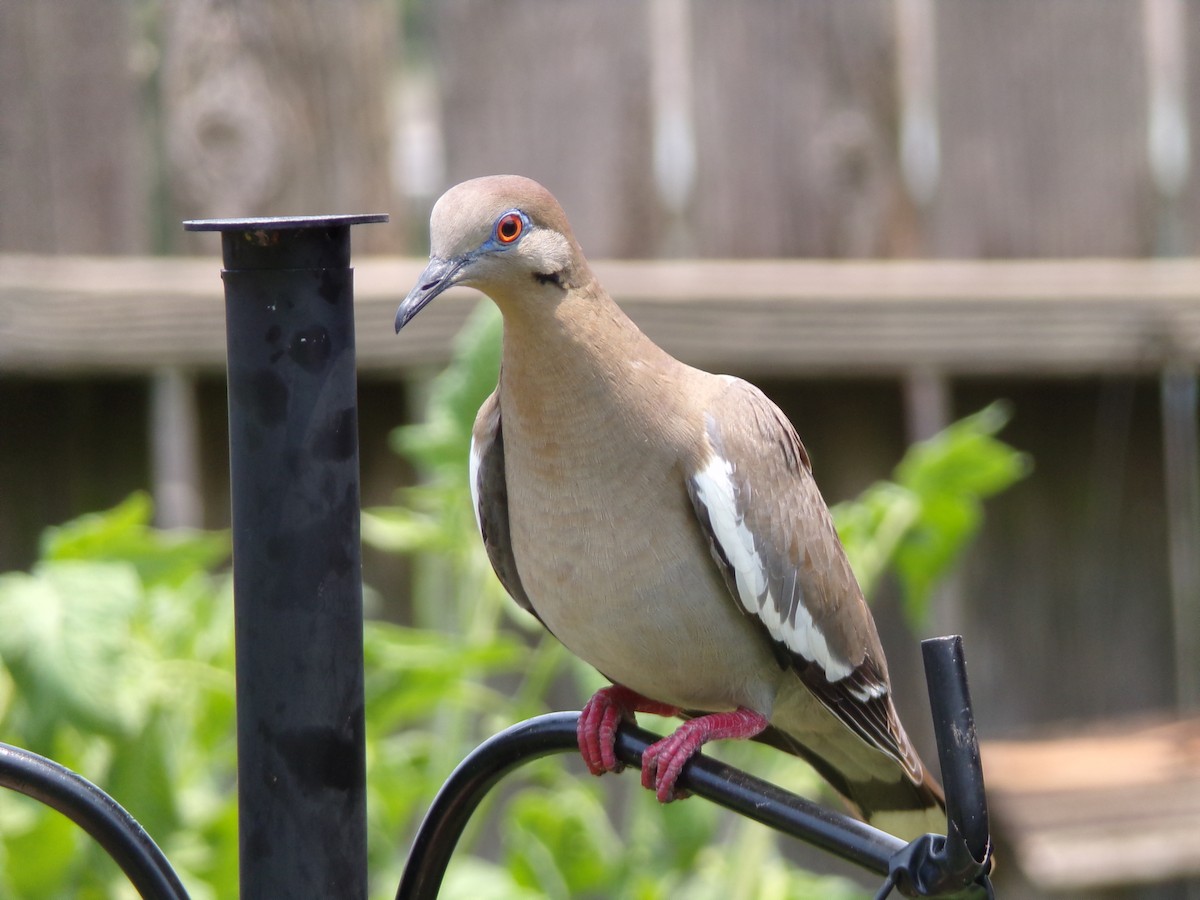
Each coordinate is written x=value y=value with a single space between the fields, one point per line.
x=597 y=466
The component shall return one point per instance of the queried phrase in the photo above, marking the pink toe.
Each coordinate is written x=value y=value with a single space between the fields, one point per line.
x=663 y=761
x=597 y=729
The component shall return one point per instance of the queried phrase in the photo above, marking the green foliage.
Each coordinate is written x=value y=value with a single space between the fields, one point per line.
x=116 y=660
x=434 y=518
x=918 y=524
x=118 y=663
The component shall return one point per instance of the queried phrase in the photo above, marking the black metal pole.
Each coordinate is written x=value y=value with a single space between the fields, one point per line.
x=936 y=865
x=293 y=448
x=958 y=750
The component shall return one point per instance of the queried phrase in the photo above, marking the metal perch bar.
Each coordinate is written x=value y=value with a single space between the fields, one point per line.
x=98 y=814
x=932 y=866
x=706 y=777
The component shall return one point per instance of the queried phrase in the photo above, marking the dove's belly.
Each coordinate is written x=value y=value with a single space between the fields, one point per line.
x=650 y=612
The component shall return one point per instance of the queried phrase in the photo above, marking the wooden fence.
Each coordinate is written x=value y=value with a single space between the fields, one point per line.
x=706 y=128
x=917 y=138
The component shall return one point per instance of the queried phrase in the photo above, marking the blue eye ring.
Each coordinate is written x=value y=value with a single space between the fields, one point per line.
x=509 y=228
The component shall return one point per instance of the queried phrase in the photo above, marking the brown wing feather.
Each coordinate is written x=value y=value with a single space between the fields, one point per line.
x=491 y=491
x=807 y=574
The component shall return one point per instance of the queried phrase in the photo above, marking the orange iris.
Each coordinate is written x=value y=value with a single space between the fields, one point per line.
x=509 y=228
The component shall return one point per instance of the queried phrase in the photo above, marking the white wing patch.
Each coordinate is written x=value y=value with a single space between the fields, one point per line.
x=715 y=488
x=867 y=692
x=476 y=460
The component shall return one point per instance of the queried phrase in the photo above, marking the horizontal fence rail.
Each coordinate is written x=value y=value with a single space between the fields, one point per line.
x=808 y=317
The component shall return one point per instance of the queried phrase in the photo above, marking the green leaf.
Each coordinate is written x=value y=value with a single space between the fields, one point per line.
x=965 y=458
x=561 y=842
x=918 y=525
x=64 y=638
x=471 y=878
x=42 y=857
x=124 y=533
x=141 y=775
x=873 y=526
x=399 y=529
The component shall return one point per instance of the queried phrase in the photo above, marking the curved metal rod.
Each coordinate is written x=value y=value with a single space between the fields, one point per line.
x=732 y=788
x=98 y=814
x=931 y=866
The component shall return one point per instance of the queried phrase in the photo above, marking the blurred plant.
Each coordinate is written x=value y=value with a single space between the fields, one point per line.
x=917 y=525
x=117 y=661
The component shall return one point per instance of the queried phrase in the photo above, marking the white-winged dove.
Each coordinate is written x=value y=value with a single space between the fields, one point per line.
x=663 y=523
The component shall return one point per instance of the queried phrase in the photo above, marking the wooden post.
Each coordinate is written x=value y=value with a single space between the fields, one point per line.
x=174 y=451
x=1181 y=472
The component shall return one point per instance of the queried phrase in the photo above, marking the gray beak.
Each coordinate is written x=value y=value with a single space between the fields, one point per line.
x=438 y=275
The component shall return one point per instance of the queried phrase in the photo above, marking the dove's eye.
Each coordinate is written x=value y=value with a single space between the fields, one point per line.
x=509 y=227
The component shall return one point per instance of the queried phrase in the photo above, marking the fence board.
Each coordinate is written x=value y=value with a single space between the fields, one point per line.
x=1098 y=809
x=1042 y=111
x=794 y=114
x=279 y=108
x=73 y=165
x=558 y=92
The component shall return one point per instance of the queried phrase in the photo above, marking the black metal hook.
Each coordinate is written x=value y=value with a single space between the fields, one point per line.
x=931 y=866
x=98 y=814
x=936 y=865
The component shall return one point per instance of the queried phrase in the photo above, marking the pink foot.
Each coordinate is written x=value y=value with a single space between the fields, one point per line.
x=597 y=729
x=664 y=760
